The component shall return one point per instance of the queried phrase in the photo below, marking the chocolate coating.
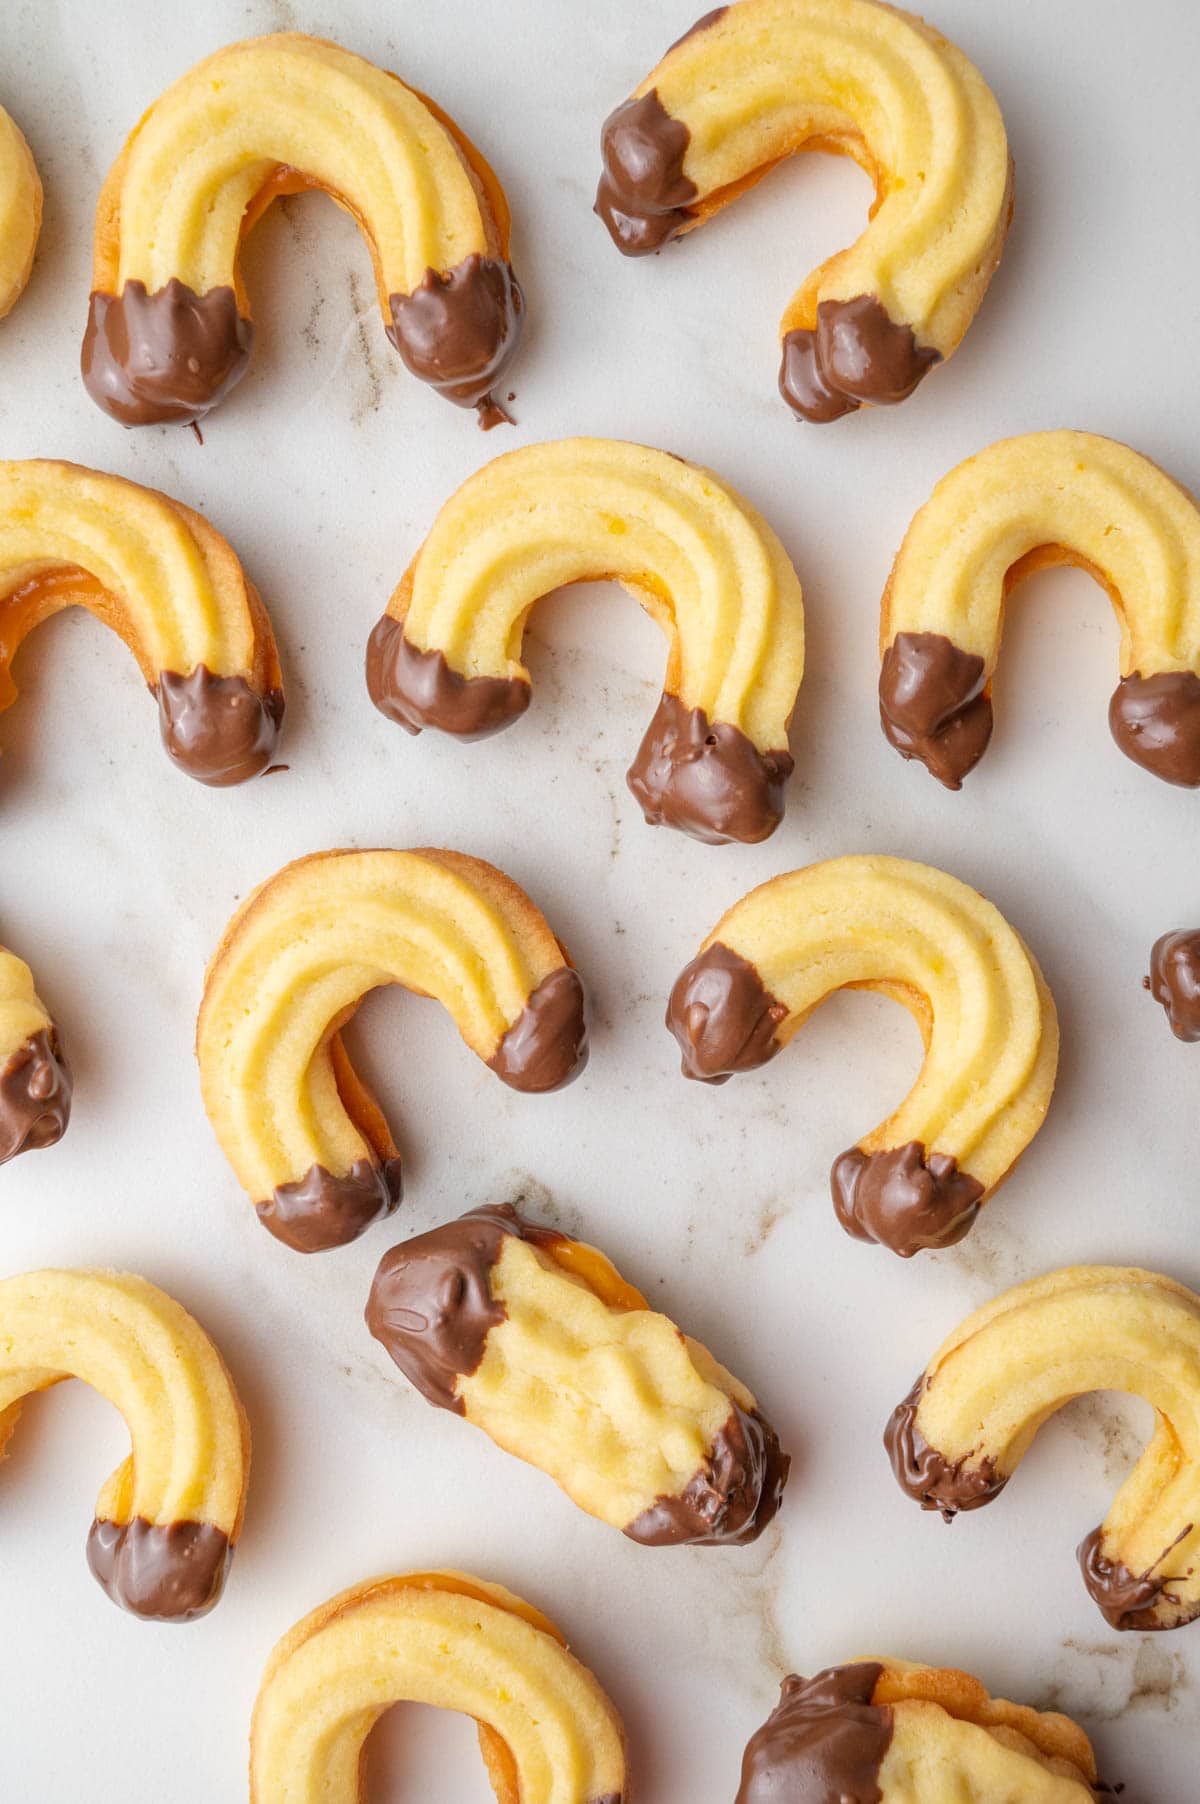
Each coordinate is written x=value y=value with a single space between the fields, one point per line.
x=459 y=331
x=732 y=1497
x=644 y=196
x=431 y=1307
x=217 y=728
x=707 y=778
x=1174 y=981
x=824 y=1742
x=419 y=689
x=1156 y=721
x=319 y=1210
x=928 y=1476
x=857 y=353
x=723 y=1016
x=546 y=1046
x=904 y=1198
x=1125 y=1600
x=169 y=1572
x=932 y=705
x=35 y=1096
x=170 y=356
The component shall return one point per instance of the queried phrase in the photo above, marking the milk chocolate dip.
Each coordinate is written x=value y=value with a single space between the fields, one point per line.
x=904 y=1198
x=857 y=353
x=723 y=1016
x=217 y=728
x=732 y=1497
x=824 y=1742
x=644 y=196
x=319 y=1210
x=926 y=1475
x=418 y=688
x=706 y=778
x=35 y=1096
x=1174 y=981
x=459 y=331
x=1156 y=721
x=932 y=705
x=1126 y=1600
x=166 y=357
x=169 y=1572
x=546 y=1046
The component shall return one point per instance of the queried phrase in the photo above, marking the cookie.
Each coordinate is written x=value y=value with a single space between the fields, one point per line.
x=702 y=563
x=752 y=83
x=20 y=212
x=1022 y=505
x=169 y=330
x=540 y=1342
x=969 y=1420
x=169 y=1517
x=300 y=1128
x=895 y=1732
x=1174 y=980
x=547 y=1733
x=167 y=584
x=35 y=1079
x=930 y=942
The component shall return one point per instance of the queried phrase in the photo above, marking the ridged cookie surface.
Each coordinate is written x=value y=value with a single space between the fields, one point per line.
x=20 y=212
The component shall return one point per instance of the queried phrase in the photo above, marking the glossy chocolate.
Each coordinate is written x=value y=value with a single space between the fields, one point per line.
x=35 y=1096
x=644 y=196
x=932 y=705
x=319 y=1210
x=904 y=1198
x=723 y=1016
x=732 y=1497
x=1156 y=721
x=459 y=331
x=217 y=728
x=418 y=688
x=546 y=1046
x=1174 y=980
x=1125 y=1599
x=166 y=357
x=857 y=353
x=926 y=1475
x=706 y=778
x=824 y=1742
x=169 y=1572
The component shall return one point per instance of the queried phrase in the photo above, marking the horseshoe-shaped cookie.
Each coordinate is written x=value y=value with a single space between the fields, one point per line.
x=169 y=329
x=20 y=212
x=307 y=1140
x=969 y=1420
x=547 y=1732
x=167 y=584
x=930 y=942
x=702 y=563
x=1022 y=505
x=752 y=83
x=168 y=1519
x=35 y=1079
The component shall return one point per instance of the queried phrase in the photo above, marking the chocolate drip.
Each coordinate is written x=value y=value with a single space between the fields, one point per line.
x=824 y=1742
x=644 y=196
x=904 y=1198
x=730 y=1500
x=459 y=331
x=723 y=1016
x=1174 y=980
x=217 y=728
x=1125 y=1599
x=319 y=1210
x=151 y=359
x=926 y=1475
x=932 y=705
x=169 y=1572
x=707 y=778
x=35 y=1096
x=546 y=1046
x=857 y=353
x=1156 y=721
x=431 y=1306
x=419 y=689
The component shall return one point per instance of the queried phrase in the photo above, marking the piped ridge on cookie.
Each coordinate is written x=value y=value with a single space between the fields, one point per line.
x=20 y=212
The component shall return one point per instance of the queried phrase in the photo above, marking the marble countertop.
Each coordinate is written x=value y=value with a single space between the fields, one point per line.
x=117 y=876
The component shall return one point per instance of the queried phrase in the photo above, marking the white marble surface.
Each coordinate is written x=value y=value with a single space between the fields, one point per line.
x=117 y=875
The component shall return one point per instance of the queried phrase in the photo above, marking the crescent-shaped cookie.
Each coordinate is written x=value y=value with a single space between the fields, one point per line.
x=169 y=330
x=167 y=584
x=20 y=212
x=306 y=1138
x=702 y=563
x=547 y=1733
x=752 y=83
x=895 y=1732
x=1024 y=504
x=169 y=1517
x=539 y=1341
x=969 y=1420
x=986 y=1017
x=35 y=1079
